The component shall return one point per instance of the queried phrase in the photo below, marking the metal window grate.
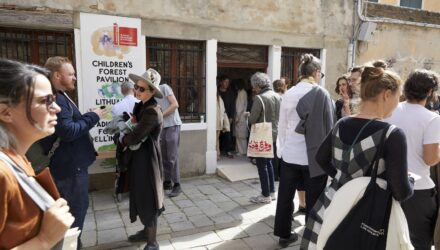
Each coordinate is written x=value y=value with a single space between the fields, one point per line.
x=417 y=4
x=290 y=60
x=182 y=66
x=35 y=46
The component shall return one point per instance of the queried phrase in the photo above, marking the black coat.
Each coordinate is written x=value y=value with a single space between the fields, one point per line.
x=145 y=164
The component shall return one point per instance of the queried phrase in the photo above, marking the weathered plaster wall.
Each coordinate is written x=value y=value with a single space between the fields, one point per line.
x=431 y=5
x=303 y=24
x=404 y=47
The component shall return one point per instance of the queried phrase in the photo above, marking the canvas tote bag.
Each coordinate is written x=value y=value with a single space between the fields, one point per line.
x=260 y=139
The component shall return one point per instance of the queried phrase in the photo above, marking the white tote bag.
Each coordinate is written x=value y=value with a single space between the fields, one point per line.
x=260 y=139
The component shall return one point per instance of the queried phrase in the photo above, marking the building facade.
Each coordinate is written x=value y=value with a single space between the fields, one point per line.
x=191 y=42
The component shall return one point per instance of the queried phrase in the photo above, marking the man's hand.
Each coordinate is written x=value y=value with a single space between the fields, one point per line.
x=100 y=112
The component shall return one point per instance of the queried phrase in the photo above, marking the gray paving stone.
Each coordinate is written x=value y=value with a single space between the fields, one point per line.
x=181 y=225
x=195 y=240
x=171 y=209
x=175 y=217
x=111 y=235
x=222 y=218
x=184 y=203
x=228 y=205
x=231 y=233
x=88 y=238
x=102 y=200
x=261 y=242
x=208 y=189
x=229 y=245
x=191 y=211
x=205 y=204
x=213 y=211
x=219 y=197
x=200 y=220
x=180 y=197
x=212 y=180
x=108 y=219
x=256 y=229
x=89 y=223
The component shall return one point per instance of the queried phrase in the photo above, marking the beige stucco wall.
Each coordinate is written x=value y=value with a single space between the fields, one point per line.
x=406 y=47
x=302 y=23
x=430 y=5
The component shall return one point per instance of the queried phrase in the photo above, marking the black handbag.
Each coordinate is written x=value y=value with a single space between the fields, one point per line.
x=366 y=225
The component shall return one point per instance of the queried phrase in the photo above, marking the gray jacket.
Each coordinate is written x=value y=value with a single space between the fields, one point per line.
x=317 y=113
x=272 y=107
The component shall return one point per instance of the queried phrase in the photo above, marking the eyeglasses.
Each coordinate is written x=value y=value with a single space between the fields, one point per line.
x=141 y=89
x=49 y=100
x=322 y=75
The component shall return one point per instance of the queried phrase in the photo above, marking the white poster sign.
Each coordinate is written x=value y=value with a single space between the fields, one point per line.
x=111 y=48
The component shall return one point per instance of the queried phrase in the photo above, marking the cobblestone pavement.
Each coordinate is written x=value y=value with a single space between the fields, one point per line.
x=211 y=213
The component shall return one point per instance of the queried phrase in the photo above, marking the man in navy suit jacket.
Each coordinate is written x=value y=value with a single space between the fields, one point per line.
x=71 y=160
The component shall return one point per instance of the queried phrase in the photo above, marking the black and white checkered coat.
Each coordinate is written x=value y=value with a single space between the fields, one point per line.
x=349 y=164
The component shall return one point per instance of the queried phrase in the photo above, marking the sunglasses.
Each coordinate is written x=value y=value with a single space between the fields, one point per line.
x=141 y=89
x=49 y=100
x=322 y=75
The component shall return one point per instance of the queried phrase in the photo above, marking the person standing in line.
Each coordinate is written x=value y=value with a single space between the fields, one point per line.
x=128 y=102
x=306 y=116
x=343 y=105
x=261 y=85
x=240 y=123
x=347 y=152
x=423 y=136
x=280 y=87
x=71 y=160
x=27 y=114
x=170 y=140
x=144 y=158
x=228 y=96
x=222 y=123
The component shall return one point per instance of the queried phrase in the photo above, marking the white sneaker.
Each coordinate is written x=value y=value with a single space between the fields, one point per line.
x=260 y=199
x=273 y=196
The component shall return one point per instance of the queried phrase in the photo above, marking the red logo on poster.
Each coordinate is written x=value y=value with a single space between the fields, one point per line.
x=124 y=35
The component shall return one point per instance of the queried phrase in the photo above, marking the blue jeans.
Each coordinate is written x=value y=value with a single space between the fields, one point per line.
x=265 y=172
x=75 y=190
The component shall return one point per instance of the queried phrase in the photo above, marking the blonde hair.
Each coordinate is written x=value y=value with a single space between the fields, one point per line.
x=375 y=80
x=54 y=64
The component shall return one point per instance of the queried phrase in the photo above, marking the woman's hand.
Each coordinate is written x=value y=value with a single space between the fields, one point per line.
x=56 y=221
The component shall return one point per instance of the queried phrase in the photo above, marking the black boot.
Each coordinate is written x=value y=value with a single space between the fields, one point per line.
x=151 y=242
x=139 y=236
x=176 y=190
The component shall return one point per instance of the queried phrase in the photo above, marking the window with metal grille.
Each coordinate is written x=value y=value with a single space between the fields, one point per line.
x=181 y=65
x=290 y=60
x=374 y=1
x=417 y=4
x=35 y=46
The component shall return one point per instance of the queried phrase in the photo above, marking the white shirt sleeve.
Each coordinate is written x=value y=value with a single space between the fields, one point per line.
x=281 y=129
x=432 y=131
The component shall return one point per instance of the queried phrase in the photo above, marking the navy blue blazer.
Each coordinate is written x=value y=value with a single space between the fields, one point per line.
x=76 y=151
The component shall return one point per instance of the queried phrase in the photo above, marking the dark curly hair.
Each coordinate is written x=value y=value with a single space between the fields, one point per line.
x=419 y=83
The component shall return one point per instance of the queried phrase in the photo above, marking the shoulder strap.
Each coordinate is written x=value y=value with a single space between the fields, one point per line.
x=264 y=110
x=379 y=152
x=37 y=193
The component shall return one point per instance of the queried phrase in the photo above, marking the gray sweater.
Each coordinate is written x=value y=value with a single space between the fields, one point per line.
x=272 y=107
x=317 y=114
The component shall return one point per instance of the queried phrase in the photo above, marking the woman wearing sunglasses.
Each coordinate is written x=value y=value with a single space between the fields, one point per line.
x=27 y=114
x=145 y=163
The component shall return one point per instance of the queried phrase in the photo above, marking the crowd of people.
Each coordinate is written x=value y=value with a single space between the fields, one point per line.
x=317 y=138
x=319 y=145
